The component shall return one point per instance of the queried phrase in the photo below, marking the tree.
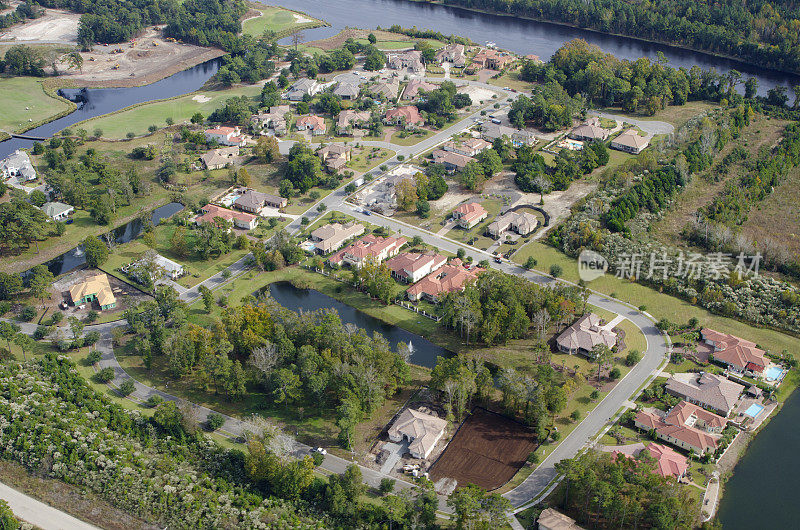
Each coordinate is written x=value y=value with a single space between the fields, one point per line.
x=197 y=118
x=8 y=331
x=40 y=281
x=127 y=387
x=530 y=263
x=74 y=60
x=208 y=297
x=602 y=354
x=96 y=251
x=406 y=193
x=475 y=509
x=372 y=38
x=76 y=325
x=24 y=342
x=10 y=284
x=214 y=421
x=37 y=198
x=555 y=270
x=267 y=149
x=243 y=178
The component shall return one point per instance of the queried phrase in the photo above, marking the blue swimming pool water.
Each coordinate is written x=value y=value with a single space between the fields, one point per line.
x=754 y=410
x=773 y=373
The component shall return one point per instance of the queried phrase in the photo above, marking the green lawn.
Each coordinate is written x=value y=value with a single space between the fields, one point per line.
x=275 y=19
x=137 y=119
x=25 y=103
x=369 y=158
x=414 y=139
x=658 y=304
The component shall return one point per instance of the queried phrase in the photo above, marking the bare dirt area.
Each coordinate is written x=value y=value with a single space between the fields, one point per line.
x=55 y=27
x=487 y=450
x=143 y=61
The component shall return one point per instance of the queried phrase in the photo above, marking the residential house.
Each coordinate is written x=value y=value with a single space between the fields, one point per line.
x=492 y=59
x=451 y=160
x=410 y=60
x=226 y=136
x=589 y=132
x=452 y=53
x=711 y=391
x=219 y=158
x=94 y=288
x=314 y=124
x=421 y=430
x=352 y=118
x=469 y=147
x=669 y=463
x=630 y=142
x=17 y=164
x=57 y=211
x=301 y=88
x=335 y=156
x=469 y=214
x=407 y=116
x=517 y=137
x=737 y=354
x=451 y=277
x=275 y=119
x=551 y=519
x=387 y=88
x=522 y=223
x=347 y=91
x=534 y=58
x=171 y=269
x=689 y=427
x=584 y=335
x=370 y=247
x=241 y=220
x=253 y=201
x=415 y=87
x=411 y=267
x=331 y=237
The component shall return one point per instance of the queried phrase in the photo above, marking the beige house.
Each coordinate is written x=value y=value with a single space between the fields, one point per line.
x=314 y=124
x=470 y=147
x=686 y=426
x=331 y=237
x=410 y=60
x=219 y=158
x=584 y=335
x=347 y=91
x=522 y=223
x=469 y=214
x=420 y=430
x=352 y=118
x=253 y=201
x=551 y=519
x=452 y=53
x=411 y=267
x=369 y=247
x=415 y=86
x=451 y=160
x=451 y=277
x=335 y=156
x=630 y=142
x=387 y=88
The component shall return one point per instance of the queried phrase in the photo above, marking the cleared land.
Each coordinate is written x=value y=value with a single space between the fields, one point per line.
x=25 y=102
x=487 y=450
x=778 y=216
x=55 y=26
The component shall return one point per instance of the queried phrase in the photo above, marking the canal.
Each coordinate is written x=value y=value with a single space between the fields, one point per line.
x=423 y=351
x=517 y=35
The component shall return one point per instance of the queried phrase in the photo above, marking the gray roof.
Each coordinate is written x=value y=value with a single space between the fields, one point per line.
x=347 y=89
x=54 y=209
x=585 y=334
x=713 y=391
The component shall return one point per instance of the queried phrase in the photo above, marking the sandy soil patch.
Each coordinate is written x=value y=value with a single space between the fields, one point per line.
x=143 y=61
x=54 y=27
x=477 y=94
x=300 y=19
x=201 y=98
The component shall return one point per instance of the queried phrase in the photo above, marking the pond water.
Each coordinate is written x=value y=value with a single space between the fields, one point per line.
x=423 y=351
x=517 y=35
x=94 y=102
x=127 y=232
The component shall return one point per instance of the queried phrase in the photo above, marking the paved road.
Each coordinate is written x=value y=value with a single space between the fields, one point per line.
x=651 y=127
x=38 y=513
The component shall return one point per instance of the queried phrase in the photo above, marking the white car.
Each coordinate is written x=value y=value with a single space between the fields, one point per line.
x=320 y=450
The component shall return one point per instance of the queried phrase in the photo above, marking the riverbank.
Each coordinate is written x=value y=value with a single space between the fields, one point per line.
x=673 y=45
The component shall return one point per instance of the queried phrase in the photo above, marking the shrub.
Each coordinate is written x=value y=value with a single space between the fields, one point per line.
x=41 y=332
x=555 y=436
x=214 y=421
x=575 y=416
x=28 y=313
x=154 y=401
x=91 y=338
x=93 y=357
x=556 y=270
x=106 y=375
x=533 y=458
x=387 y=485
x=317 y=458
x=91 y=316
x=5 y=307
x=633 y=357
x=614 y=373
x=127 y=387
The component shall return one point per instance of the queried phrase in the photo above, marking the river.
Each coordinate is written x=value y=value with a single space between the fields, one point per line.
x=517 y=35
x=423 y=351
x=94 y=102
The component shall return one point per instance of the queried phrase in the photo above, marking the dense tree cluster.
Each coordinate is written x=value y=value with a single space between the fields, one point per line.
x=23 y=60
x=429 y=34
x=550 y=108
x=499 y=307
x=762 y=34
x=303 y=167
x=653 y=193
x=534 y=175
x=23 y=225
x=374 y=59
x=249 y=61
x=23 y=11
x=606 y=492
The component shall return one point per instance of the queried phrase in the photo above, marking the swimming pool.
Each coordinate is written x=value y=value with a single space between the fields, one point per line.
x=773 y=373
x=754 y=410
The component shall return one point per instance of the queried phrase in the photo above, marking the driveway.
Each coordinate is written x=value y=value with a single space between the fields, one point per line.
x=651 y=127
x=38 y=513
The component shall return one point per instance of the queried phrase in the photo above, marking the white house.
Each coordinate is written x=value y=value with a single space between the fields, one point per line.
x=57 y=211
x=225 y=136
x=17 y=164
x=172 y=270
x=421 y=430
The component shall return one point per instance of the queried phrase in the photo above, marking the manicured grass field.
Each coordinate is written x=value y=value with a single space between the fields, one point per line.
x=410 y=140
x=138 y=119
x=25 y=102
x=273 y=19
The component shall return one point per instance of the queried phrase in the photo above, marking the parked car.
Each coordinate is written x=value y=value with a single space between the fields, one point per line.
x=319 y=450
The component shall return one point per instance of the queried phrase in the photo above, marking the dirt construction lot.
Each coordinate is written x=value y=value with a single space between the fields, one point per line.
x=487 y=450
x=55 y=26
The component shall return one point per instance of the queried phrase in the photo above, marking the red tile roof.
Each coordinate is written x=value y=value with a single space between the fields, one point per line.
x=451 y=277
x=212 y=211
x=735 y=351
x=689 y=435
x=368 y=246
x=470 y=211
x=410 y=262
x=669 y=463
x=409 y=112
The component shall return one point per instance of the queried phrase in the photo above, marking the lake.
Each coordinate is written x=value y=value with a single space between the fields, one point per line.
x=761 y=493
x=122 y=234
x=517 y=35
x=423 y=351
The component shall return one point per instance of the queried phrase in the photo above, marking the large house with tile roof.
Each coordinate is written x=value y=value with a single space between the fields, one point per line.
x=737 y=354
x=421 y=430
x=451 y=277
x=669 y=463
x=711 y=391
x=411 y=267
x=584 y=335
x=469 y=214
x=369 y=247
x=686 y=426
